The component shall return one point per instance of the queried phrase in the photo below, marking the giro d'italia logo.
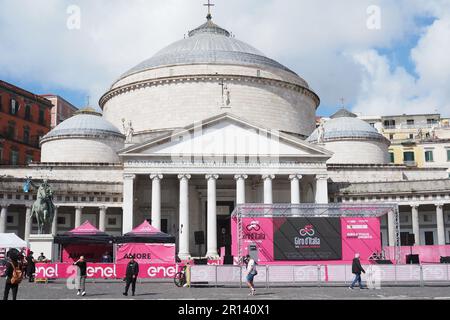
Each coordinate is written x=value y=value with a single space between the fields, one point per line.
x=307 y=239
x=308 y=230
x=253 y=232
x=253 y=226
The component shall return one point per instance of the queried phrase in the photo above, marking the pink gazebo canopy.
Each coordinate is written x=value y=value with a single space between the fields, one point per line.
x=145 y=228
x=86 y=228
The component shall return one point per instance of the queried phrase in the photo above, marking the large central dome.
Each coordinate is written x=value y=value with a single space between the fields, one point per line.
x=209 y=43
x=208 y=73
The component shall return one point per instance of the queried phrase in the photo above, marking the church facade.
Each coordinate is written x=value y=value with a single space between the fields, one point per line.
x=206 y=124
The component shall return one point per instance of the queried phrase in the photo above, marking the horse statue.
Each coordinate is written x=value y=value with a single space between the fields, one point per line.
x=43 y=208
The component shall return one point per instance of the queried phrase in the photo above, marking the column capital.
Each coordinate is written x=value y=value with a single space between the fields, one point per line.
x=240 y=176
x=321 y=177
x=211 y=176
x=4 y=205
x=439 y=205
x=184 y=176
x=128 y=176
x=157 y=176
x=103 y=208
x=415 y=205
x=79 y=207
x=295 y=177
x=268 y=176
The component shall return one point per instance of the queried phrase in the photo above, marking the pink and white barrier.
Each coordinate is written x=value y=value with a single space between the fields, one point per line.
x=106 y=271
x=427 y=254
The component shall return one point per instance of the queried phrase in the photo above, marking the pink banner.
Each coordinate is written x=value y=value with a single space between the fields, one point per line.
x=258 y=231
x=106 y=271
x=360 y=235
x=146 y=253
x=91 y=252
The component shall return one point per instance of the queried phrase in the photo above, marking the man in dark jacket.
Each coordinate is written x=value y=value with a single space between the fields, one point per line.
x=131 y=276
x=31 y=266
x=356 y=270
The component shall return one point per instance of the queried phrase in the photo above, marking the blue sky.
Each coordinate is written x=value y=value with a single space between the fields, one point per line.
x=396 y=69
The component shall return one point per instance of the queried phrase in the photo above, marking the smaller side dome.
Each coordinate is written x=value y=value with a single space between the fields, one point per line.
x=84 y=138
x=352 y=140
x=86 y=122
x=346 y=125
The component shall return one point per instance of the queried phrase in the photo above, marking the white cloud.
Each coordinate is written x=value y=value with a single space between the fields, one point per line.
x=386 y=89
x=326 y=42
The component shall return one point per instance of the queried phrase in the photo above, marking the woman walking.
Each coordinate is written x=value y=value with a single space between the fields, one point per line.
x=251 y=273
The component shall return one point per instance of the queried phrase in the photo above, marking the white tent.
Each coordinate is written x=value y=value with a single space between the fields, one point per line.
x=11 y=240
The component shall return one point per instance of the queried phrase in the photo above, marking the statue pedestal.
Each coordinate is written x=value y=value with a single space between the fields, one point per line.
x=42 y=243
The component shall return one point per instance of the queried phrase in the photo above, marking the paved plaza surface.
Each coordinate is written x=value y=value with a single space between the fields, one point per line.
x=100 y=290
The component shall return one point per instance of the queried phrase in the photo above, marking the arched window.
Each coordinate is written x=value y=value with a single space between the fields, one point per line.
x=26 y=134
x=27 y=112
x=14 y=106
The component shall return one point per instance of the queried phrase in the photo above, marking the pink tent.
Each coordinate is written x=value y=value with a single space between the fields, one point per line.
x=85 y=240
x=147 y=245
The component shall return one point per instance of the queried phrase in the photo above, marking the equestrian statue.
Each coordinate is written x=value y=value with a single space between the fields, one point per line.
x=43 y=208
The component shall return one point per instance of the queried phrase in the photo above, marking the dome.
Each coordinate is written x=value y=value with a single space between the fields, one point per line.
x=84 y=138
x=208 y=73
x=351 y=140
x=345 y=125
x=86 y=122
x=208 y=44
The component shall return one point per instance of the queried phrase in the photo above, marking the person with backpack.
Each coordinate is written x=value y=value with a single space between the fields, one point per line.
x=251 y=273
x=131 y=276
x=81 y=276
x=14 y=276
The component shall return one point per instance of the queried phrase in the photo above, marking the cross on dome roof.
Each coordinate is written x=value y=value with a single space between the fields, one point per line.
x=209 y=5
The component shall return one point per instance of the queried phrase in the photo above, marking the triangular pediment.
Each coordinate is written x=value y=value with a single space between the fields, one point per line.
x=227 y=135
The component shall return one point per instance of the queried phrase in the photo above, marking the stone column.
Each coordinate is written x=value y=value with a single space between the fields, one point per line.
x=415 y=223
x=183 y=251
x=55 y=222
x=212 y=217
x=3 y=215
x=78 y=214
x=295 y=188
x=128 y=202
x=240 y=188
x=268 y=196
x=156 y=200
x=391 y=228
x=322 y=188
x=440 y=224
x=102 y=218
x=28 y=225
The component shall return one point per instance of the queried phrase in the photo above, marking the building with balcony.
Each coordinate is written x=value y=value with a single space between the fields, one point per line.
x=24 y=119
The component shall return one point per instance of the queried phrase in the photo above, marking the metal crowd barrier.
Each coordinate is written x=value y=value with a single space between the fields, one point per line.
x=318 y=275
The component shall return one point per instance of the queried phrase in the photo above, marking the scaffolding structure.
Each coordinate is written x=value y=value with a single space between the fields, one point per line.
x=370 y=210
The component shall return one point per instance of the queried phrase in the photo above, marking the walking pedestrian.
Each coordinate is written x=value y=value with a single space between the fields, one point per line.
x=356 y=270
x=81 y=276
x=14 y=276
x=31 y=266
x=131 y=276
x=251 y=273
